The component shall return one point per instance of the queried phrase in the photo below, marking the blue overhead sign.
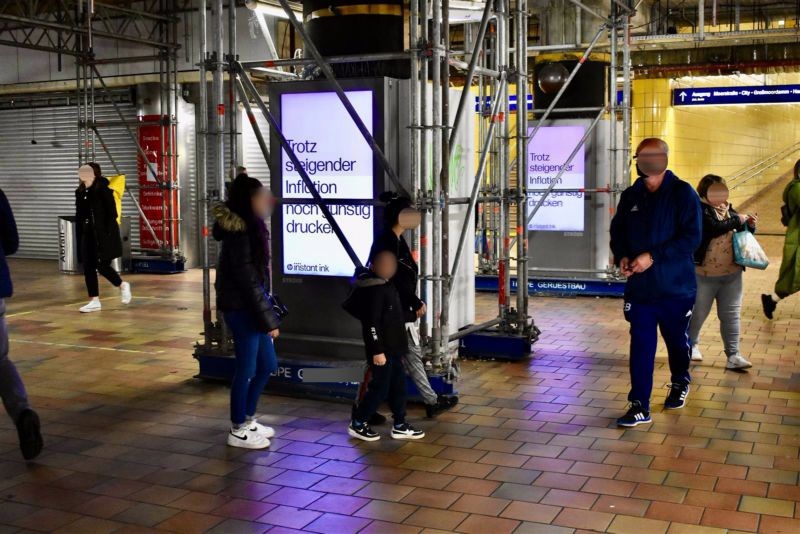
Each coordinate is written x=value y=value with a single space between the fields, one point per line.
x=512 y=102
x=755 y=94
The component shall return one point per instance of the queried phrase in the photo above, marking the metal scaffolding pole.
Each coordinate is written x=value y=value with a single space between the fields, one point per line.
x=202 y=176
x=504 y=274
x=218 y=90
x=414 y=104
x=233 y=126
x=436 y=174
x=626 y=104
x=445 y=182
x=612 y=92
x=521 y=27
x=424 y=169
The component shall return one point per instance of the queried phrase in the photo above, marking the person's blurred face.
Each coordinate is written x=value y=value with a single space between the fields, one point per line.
x=652 y=160
x=385 y=265
x=86 y=175
x=409 y=219
x=262 y=203
x=717 y=195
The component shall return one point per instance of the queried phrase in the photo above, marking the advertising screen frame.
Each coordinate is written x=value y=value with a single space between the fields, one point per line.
x=311 y=298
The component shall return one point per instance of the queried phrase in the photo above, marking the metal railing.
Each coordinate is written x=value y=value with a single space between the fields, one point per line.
x=758 y=168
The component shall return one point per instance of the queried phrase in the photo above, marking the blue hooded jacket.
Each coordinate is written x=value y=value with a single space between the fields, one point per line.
x=666 y=223
x=9 y=242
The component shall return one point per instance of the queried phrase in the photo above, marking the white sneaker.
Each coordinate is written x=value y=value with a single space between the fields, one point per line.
x=93 y=306
x=697 y=356
x=738 y=362
x=262 y=430
x=244 y=438
x=125 y=293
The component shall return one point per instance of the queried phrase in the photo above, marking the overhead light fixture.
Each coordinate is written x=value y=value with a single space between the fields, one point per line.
x=273 y=8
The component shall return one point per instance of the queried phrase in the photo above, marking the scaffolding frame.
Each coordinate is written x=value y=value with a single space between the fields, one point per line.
x=70 y=27
x=492 y=66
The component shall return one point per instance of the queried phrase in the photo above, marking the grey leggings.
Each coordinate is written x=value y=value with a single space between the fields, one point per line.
x=727 y=292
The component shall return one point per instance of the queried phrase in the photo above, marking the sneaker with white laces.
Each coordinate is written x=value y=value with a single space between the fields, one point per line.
x=736 y=362
x=93 y=306
x=125 y=293
x=406 y=431
x=362 y=431
x=636 y=416
x=262 y=430
x=697 y=356
x=244 y=438
x=676 y=398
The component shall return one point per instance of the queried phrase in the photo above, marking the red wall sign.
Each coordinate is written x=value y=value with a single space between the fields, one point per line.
x=154 y=198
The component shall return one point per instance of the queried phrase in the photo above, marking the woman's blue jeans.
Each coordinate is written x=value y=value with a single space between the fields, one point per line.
x=255 y=362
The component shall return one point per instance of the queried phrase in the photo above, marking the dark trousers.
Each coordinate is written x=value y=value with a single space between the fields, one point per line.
x=93 y=265
x=255 y=362
x=387 y=382
x=12 y=390
x=646 y=319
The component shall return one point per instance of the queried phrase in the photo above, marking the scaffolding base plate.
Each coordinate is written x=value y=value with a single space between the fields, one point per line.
x=494 y=345
x=157 y=265
x=288 y=379
x=560 y=287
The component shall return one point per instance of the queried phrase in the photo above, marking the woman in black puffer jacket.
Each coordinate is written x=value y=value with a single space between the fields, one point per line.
x=242 y=287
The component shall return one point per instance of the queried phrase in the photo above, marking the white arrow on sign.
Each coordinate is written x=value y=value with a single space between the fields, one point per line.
x=683 y=96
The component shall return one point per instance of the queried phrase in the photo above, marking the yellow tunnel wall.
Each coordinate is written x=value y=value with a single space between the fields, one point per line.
x=720 y=140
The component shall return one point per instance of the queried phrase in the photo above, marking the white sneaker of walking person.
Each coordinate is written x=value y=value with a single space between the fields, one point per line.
x=262 y=430
x=738 y=362
x=244 y=438
x=125 y=293
x=697 y=356
x=93 y=306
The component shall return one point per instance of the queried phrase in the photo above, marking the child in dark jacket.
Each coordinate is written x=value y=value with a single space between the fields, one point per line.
x=383 y=326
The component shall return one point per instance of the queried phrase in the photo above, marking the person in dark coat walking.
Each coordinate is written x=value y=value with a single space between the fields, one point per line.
x=243 y=297
x=654 y=234
x=99 y=241
x=12 y=390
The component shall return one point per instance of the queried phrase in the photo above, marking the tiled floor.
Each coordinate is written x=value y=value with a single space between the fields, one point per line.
x=134 y=442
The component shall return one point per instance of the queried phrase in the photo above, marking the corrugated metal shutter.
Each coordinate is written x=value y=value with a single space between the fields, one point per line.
x=40 y=179
x=257 y=167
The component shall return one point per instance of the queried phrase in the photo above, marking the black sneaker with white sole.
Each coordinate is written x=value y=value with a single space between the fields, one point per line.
x=676 y=398
x=406 y=431
x=30 y=434
x=362 y=431
x=636 y=416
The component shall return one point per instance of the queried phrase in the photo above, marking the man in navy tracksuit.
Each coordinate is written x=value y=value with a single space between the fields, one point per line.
x=654 y=233
x=12 y=390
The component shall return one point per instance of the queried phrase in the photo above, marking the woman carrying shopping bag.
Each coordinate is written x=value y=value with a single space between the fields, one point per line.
x=719 y=277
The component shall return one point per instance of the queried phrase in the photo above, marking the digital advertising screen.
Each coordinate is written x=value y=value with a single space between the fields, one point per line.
x=339 y=162
x=548 y=151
